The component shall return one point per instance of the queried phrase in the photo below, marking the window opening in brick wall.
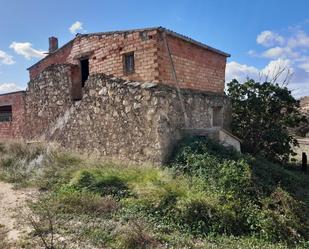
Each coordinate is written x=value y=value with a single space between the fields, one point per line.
x=6 y=113
x=84 y=64
x=76 y=79
x=128 y=63
x=217 y=116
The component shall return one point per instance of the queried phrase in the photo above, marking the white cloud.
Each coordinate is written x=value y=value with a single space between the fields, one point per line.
x=299 y=90
x=25 y=49
x=268 y=38
x=299 y=40
x=6 y=58
x=295 y=45
x=252 y=53
x=290 y=51
x=305 y=66
x=77 y=26
x=274 y=67
x=241 y=72
x=280 y=52
x=298 y=82
x=9 y=87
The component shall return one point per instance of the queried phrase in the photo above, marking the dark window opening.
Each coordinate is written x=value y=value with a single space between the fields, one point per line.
x=6 y=113
x=129 y=63
x=84 y=64
x=217 y=116
x=76 y=78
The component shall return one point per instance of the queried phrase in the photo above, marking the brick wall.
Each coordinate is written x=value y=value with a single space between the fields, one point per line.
x=105 y=53
x=60 y=57
x=14 y=128
x=196 y=67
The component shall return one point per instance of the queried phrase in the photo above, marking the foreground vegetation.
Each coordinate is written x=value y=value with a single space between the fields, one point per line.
x=207 y=197
x=263 y=114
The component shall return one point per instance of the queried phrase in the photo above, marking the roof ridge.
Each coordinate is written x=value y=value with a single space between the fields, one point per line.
x=169 y=31
x=14 y=92
x=163 y=29
x=119 y=31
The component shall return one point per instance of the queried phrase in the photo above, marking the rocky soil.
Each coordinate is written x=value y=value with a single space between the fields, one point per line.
x=304 y=103
x=12 y=205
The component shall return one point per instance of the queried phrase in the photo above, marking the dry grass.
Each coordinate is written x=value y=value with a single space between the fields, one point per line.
x=97 y=203
x=135 y=235
x=4 y=244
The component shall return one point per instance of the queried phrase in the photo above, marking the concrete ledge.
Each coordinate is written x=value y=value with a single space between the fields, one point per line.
x=224 y=137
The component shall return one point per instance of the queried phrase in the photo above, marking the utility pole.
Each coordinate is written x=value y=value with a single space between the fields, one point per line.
x=182 y=104
x=304 y=162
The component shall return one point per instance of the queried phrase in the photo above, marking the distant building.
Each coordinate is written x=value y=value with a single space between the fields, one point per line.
x=12 y=114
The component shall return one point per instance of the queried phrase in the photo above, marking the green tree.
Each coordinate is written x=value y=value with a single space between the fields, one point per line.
x=262 y=114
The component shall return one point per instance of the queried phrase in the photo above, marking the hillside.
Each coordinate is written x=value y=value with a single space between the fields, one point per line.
x=304 y=104
x=206 y=197
x=303 y=129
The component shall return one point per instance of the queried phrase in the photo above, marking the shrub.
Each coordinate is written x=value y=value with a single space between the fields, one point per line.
x=69 y=200
x=69 y=217
x=268 y=176
x=234 y=178
x=19 y=149
x=215 y=165
x=103 y=183
x=282 y=218
x=250 y=201
x=204 y=215
x=255 y=106
x=135 y=235
x=57 y=170
x=19 y=162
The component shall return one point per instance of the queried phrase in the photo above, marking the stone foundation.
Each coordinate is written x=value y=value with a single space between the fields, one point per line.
x=117 y=118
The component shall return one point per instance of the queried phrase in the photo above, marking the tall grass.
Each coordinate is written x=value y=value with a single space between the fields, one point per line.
x=207 y=197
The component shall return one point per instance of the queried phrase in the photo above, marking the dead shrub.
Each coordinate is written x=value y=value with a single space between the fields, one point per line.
x=135 y=235
x=69 y=200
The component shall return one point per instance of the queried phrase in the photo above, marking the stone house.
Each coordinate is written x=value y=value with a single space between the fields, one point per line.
x=127 y=94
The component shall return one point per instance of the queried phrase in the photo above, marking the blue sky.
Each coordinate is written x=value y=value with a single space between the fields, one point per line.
x=262 y=36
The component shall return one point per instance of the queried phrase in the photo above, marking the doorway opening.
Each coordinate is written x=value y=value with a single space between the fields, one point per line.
x=84 y=64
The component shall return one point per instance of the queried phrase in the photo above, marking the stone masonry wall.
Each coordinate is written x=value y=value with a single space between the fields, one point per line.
x=117 y=118
x=13 y=128
x=47 y=98
x=197 y=68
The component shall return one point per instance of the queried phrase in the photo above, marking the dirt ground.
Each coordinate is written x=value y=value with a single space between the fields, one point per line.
x=12 y=204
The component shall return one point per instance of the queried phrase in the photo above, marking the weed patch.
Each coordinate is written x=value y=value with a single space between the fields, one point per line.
x=207 y=197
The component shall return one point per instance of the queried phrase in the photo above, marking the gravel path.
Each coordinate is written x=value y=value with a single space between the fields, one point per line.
x=12 y=202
